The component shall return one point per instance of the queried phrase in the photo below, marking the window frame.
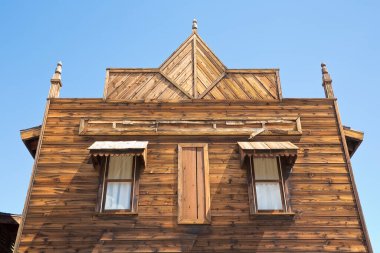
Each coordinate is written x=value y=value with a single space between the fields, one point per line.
x=252 y=189
x=103 y=188
x=207 y=216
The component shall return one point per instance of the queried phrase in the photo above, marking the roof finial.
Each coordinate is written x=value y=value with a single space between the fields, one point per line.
x=325 y=73
x=327 y=82
x=56 y=82
x=58 y=72
x=195 y=25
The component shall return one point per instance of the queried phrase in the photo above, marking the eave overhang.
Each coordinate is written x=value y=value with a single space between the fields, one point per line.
x=30 y=137
x=12 y=219
x=353 y=139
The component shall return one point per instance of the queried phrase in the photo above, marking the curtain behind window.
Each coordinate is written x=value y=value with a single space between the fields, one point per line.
x=268 y=194
x=118 y=194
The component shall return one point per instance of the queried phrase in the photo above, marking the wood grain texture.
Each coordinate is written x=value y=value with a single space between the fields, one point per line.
x=61 y=216
x=192 y=71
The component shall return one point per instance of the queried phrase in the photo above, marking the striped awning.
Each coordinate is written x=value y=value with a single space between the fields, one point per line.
x=267 y=149
x=119 y=148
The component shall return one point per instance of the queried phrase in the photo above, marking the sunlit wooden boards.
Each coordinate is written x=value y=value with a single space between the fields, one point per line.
x=192 y=72
x=61 y=215
x=141 y=85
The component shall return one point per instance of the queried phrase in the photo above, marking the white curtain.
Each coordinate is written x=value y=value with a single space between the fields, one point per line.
x=265 y=168
x=118 y=194
x=268 y=193
x=268 y=196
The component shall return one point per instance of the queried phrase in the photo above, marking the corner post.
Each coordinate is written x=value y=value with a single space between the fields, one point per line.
x=56 y=82
x=327 y=82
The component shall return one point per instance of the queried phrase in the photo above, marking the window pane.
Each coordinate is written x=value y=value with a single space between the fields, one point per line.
x=118 y=195
x=265 y=168
x=120 y=167
x=268 y=196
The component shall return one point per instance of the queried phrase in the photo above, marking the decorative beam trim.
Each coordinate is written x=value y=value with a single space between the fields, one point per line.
x=239 y=127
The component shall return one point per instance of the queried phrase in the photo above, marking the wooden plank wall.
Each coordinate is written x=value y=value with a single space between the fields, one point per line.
x=61 y=216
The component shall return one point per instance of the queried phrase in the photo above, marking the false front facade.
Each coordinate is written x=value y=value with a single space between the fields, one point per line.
x=192 y=156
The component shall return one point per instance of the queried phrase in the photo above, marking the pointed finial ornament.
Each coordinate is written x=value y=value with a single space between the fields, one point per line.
x=56 y=82
x=195 y=25
x=58 y=72
x=327 y=82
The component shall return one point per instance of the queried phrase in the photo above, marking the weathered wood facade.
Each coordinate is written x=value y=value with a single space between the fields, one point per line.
x=192 y=98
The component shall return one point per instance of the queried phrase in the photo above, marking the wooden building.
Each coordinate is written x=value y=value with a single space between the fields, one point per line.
x=192 y=156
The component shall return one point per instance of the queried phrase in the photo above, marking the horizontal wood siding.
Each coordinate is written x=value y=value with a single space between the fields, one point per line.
x=61 y=215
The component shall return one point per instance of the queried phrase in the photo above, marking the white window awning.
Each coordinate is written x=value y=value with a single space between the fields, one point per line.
x=119 y=148
x=268 y=146
x=284 y=149
x=118 y=145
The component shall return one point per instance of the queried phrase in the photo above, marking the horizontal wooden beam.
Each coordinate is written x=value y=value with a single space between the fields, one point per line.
x=198 y=127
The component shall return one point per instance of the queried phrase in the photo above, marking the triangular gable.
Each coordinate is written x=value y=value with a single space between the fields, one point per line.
x=193 y=71
x=179 y=67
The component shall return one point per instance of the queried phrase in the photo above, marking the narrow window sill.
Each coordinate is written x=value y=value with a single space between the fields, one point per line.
x=289 y=215
x=194 y=223
x=188 y=222
x=115 y=214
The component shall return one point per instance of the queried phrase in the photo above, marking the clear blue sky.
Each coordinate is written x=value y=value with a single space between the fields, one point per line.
x=89 y=36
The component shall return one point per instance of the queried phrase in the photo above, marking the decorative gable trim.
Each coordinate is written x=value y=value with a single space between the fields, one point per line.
x=192 y=71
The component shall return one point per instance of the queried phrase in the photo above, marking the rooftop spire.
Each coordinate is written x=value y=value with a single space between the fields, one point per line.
x=195 y=25
x=58 y=71
x=56 y=82
x=327 y=82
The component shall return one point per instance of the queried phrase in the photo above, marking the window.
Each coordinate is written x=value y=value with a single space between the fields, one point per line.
x=119 y=182
x=193 y=184
x=267 y=185
x=269 y=165
x=119 y=164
